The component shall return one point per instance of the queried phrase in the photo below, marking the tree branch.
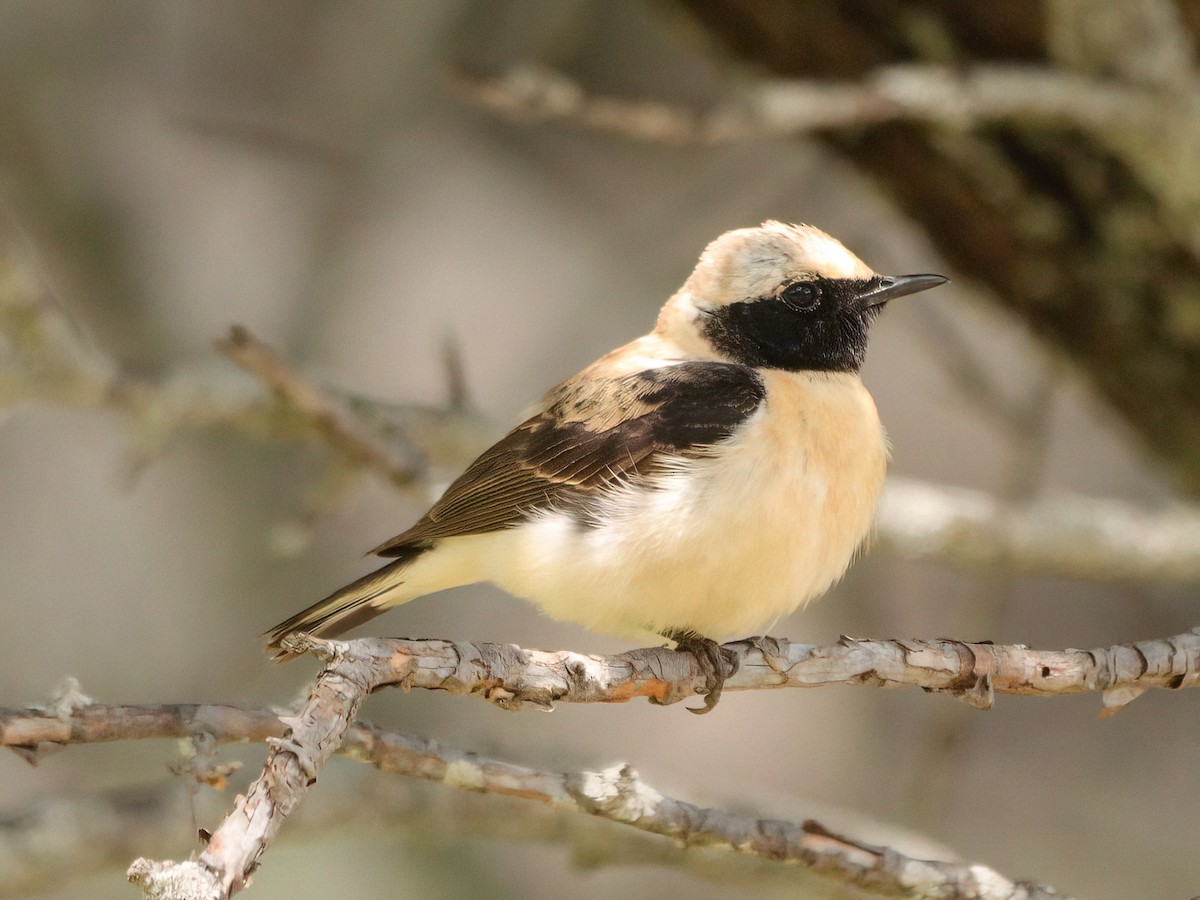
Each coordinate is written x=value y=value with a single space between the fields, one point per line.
x=227 y=863
x=328 y=416
x=1070 y=537
x=1064 y=536
x=47 y=362
x=59 y=840
x=355 y=668
x=926 y=94
x=510 y=677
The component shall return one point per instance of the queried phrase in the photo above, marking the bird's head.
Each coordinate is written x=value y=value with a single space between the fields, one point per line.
x=782 y=297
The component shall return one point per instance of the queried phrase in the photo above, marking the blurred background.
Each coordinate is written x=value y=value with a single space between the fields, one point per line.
x=358 y=182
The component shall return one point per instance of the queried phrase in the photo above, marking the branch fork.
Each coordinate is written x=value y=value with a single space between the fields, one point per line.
x=510 y=676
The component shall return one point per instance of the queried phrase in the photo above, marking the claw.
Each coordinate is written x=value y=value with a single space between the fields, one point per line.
x=715 y=662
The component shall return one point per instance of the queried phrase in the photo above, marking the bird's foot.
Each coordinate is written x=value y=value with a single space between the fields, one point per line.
x=716 y=663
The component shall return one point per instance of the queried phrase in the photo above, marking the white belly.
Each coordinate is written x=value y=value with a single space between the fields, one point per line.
x=728 y=543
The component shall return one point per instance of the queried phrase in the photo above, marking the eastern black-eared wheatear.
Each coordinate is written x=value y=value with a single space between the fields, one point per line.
x=697 y=483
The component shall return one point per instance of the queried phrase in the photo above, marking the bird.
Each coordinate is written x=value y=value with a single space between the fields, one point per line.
x=696 y=483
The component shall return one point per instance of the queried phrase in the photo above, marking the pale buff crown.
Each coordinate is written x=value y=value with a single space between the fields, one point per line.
x=750 y=263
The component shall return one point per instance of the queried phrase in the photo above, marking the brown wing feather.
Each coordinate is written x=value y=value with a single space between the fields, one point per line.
x=569 y=455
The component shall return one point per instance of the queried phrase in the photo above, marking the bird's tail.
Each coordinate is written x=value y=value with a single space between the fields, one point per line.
x=346 y=608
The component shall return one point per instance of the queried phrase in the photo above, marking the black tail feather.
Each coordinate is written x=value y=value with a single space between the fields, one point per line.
x=344 y=609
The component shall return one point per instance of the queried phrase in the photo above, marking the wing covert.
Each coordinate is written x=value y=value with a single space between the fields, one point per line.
x=591 y=437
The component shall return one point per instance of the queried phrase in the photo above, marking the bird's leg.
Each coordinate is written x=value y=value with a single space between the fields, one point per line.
x=716 y=662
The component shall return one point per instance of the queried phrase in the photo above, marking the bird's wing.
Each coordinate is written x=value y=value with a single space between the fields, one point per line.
x=593 y=436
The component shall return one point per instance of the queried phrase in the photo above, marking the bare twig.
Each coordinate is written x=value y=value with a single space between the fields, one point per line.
x=1125 y=117
x=43 y=360
x=227 y=863
x=59 y=840
x=357 y=667
x=510 y=677
x=616 y=794
x=1066 y=536
x=930 y=94
x=332 y=421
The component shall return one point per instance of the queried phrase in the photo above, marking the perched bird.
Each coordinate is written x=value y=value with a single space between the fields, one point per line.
x=697 y=483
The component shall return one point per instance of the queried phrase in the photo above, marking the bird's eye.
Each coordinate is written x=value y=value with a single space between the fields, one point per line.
x=803 y=296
